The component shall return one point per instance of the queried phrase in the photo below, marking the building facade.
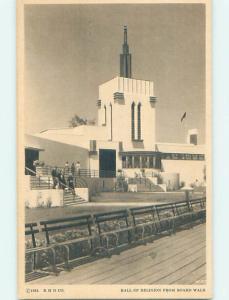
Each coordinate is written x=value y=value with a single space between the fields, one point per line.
x=125 y=137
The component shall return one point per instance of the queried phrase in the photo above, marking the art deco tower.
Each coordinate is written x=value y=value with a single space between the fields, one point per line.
x=125 y=58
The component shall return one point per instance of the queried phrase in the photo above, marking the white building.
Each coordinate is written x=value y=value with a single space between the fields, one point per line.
x=124 y=138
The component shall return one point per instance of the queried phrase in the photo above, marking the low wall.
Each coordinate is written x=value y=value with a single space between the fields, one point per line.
x=163 y=187
x=171 y=180
x=190 y=170
x=48 y=197
x=83 y=193
x=97 y=185
x=154 y=180
x=133 y=171
x=27 y=182
x=43 y=198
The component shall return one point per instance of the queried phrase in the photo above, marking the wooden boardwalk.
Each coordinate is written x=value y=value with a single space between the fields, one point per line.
x=176 y=259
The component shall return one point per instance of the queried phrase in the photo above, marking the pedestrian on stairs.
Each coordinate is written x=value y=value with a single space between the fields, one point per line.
x=54 y=177
x=71 y=183
x=78 y=168
x=62 y=181
x=73 y=169
x=66 y=169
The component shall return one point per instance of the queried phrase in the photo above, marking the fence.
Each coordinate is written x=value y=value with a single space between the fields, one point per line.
x=110 y=230
x=47 y=171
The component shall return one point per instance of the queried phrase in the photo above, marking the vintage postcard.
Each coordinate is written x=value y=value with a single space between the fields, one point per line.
x=114 y=149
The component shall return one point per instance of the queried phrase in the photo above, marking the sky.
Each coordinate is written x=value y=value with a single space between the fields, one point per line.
x=71 y=49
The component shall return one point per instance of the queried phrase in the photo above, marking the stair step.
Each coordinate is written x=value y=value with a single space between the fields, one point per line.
x=74 y=203
x=72 y=199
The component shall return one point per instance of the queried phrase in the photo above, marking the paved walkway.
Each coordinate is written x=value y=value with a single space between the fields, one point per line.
x=176 y=259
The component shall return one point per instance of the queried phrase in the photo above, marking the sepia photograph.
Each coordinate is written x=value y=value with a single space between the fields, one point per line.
x=114 y=149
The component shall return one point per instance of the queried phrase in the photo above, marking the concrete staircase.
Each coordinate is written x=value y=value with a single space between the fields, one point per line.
x=41 y=183
x=72 y=200
x=145 y=185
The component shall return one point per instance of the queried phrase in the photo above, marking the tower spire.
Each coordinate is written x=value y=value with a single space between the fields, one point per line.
x=125 y=58
x=125 y=34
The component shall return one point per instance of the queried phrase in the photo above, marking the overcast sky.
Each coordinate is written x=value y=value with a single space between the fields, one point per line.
x=71 y=49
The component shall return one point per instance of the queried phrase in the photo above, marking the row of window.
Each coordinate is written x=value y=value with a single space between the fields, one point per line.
x=182 y=156
x=138 y=161
x=154 y=161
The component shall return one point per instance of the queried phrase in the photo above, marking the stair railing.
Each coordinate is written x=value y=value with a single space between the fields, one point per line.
x=29 y=171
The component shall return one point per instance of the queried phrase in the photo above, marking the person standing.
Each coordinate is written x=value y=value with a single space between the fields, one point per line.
x=54 y=177
x=78 y=168
x=71 y=183
x=73 y=169
x=62 y=180
x=66 y=169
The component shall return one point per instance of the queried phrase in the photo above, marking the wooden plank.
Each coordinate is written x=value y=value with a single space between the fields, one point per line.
x=146 y=268
x=192 y=277
x=145 y=276
x=163 y=268
x=161 y=242
x=201 y=280
x=109 y=271
x=128 y=257
x=133 y=253
x=187 y=268
x=133 y=264
x=146 y=257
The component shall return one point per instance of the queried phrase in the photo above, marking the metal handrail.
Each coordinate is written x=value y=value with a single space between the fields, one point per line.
x=47 y=182
x=29 y=170
x=81 y=172
x=46 y=170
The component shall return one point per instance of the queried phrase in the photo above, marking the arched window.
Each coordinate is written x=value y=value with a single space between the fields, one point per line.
x=139 y=121
x=132 y=121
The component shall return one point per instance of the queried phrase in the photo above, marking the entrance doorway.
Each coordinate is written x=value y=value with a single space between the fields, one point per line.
x=30 y=156
x=107 y=163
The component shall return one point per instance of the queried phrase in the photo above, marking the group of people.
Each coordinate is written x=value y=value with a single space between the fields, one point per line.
x=74 y=168
x=65 y=178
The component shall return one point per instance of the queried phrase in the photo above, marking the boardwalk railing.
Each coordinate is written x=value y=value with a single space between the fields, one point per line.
x=87 y=236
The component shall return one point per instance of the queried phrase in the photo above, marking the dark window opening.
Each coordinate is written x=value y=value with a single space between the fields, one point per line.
x=139 y=121
x=132 y=122
x=111 y=124
x=136 y=161
x=105 y=115
x=144 y=162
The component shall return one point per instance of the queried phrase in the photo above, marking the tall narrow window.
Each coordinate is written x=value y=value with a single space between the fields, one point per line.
x=105 y=115
x=132 y=122
x=139 y=121
x=111 y=123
